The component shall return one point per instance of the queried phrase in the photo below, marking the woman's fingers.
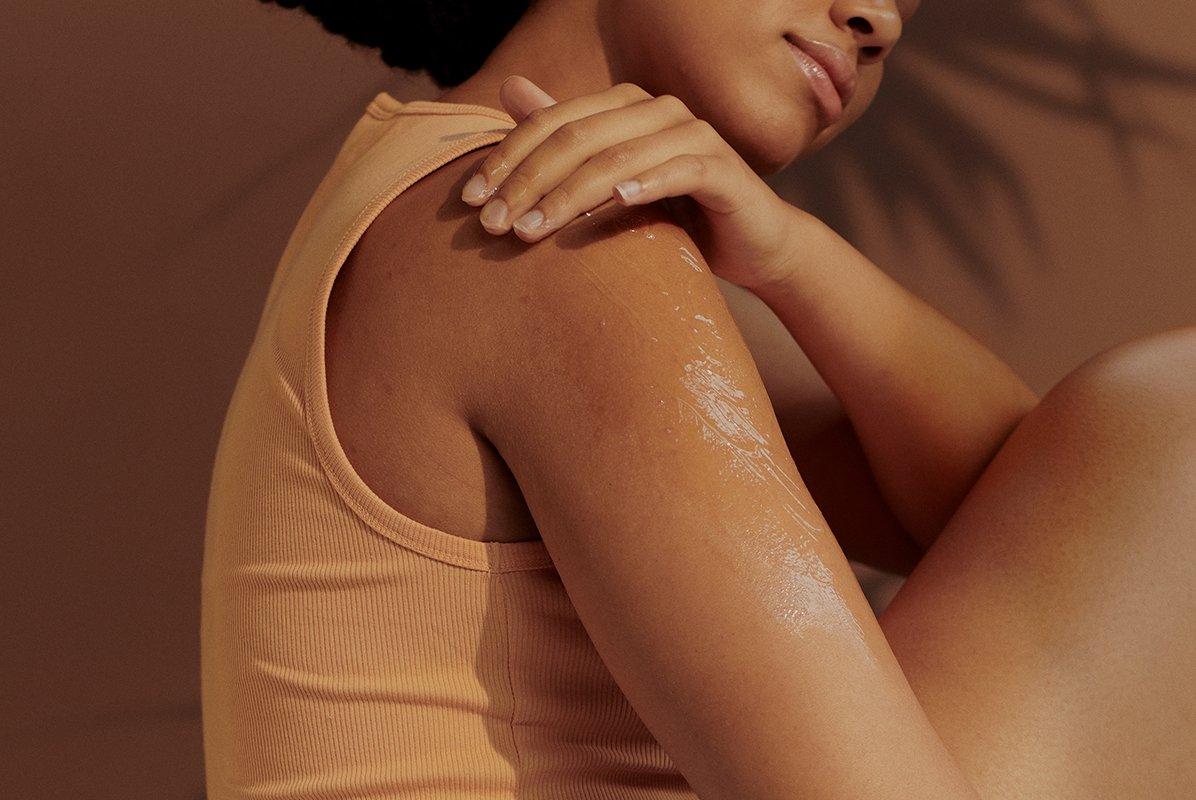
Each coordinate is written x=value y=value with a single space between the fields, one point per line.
x=686 y=174
x=534 y=129
x=591 y=185
x=563 y=159
x=521 y=96
x=566 y=149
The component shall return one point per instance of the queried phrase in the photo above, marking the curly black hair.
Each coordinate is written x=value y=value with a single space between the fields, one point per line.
x=448 y=38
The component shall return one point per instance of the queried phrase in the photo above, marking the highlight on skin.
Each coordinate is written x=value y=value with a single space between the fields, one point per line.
x=707 y=398
x=808 y=596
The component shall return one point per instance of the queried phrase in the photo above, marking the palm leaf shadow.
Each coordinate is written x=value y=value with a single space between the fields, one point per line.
x=915 y=151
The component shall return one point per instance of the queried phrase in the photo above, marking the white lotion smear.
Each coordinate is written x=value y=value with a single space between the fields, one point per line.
x=804 y=596
x=690 y=259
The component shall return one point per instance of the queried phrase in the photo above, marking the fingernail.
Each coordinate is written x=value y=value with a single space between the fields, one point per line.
x=474 y=190
x=494 y=214
x=542 y=97
x=529 y=221
x=629 y=189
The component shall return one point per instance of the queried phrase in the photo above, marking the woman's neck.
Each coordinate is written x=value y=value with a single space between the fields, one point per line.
x=558 y=45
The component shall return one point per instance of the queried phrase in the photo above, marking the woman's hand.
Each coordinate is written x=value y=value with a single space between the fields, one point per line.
x=564 y=159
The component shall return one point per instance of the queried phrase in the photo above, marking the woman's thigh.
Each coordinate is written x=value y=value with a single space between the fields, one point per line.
x=1049 y=633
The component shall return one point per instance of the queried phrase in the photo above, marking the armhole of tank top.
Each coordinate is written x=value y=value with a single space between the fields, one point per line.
x=365 y=503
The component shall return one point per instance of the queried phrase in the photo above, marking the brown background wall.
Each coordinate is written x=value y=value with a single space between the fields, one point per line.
x=1028 y=170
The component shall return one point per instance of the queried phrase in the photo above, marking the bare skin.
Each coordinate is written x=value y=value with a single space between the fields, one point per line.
x=1040 y=646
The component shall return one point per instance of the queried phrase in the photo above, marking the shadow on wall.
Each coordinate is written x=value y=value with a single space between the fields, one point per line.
x=918 y=150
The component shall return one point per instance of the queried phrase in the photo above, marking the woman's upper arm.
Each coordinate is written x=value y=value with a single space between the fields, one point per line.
x=626 y=404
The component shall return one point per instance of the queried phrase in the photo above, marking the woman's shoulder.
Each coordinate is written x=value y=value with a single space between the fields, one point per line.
x=444 y=279
x=399 y=338
x=419 y=256
x=484 y=308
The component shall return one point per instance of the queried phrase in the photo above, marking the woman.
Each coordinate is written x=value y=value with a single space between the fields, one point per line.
x=554 y=545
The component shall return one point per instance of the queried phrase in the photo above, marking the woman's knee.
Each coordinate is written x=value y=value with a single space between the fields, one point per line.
x=1141 y=393
x=1095 y=482
x=1111 y=448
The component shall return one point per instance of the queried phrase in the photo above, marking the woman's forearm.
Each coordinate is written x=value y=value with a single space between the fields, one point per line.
x=929 y=403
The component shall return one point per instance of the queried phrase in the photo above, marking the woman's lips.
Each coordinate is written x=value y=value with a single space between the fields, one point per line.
x=830 y=73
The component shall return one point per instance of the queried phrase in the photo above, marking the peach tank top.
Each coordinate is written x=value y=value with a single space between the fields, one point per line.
x=349 y=651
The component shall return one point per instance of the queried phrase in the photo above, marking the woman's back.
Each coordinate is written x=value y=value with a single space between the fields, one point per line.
x=350 y=650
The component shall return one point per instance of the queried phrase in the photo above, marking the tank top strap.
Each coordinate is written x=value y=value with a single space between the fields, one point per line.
x=384 y=106
x=391 y=147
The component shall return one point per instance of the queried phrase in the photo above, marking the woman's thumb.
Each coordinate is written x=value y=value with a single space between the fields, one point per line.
x=520 y=97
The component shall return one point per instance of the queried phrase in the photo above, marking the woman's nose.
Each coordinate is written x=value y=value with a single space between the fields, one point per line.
x=875 y=25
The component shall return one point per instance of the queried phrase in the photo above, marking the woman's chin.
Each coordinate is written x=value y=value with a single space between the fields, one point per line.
x=769 y=145
x=775 y=150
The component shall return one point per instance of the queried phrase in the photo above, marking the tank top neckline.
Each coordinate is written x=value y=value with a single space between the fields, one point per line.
x=487 y=556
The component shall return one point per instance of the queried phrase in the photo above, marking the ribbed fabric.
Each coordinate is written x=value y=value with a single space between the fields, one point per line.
x=349 y=651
